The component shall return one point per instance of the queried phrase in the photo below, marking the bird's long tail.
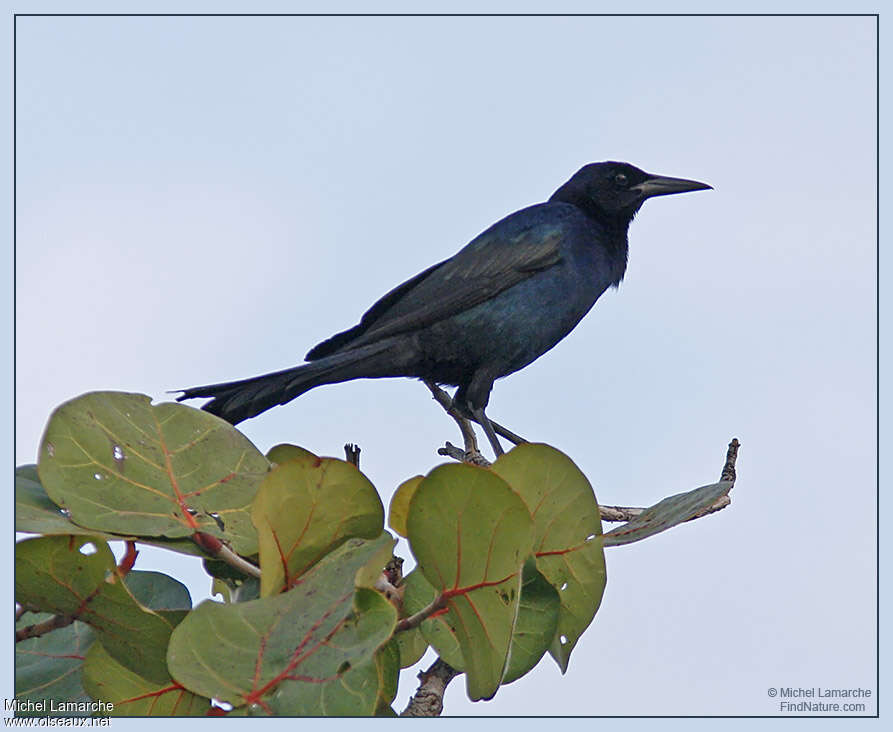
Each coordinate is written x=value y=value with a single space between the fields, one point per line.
x=236 y=401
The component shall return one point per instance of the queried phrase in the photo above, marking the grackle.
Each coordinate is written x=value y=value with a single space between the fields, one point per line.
x=496 y=306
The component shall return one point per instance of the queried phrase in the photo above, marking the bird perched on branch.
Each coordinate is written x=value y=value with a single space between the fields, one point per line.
x=493 y=308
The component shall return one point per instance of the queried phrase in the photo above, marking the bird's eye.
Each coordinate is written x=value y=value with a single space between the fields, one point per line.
x=620 y=180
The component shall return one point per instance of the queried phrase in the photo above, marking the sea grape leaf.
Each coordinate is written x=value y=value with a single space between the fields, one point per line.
x=48 y=667
x=667 y=513
x=284 y=453
x=411 y=645
x=471 y=534
x=158 y=591
x=119 y=464
x=356 y=692
x=399 y=507
x=437 y=630
x=304 y=509
x=133 y=695
x=567 y=535
x=263 y=654
x=76 y=575
x=35 y=513
x=537 y=623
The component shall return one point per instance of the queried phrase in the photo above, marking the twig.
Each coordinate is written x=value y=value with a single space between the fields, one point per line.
x=414 y=621
x=217 y=549
x=129 y=558
x=20 y=610
x=234 y=560
x=619 y=513
x=352 y=454
x=38 y=629
x=428 y=699
x=728 y=475
x=728 y=470
x=463 y=456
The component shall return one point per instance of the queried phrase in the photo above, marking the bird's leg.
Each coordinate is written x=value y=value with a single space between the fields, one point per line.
x=444 y=399
x=459 y=412
x=481 y=419
x=507 y=433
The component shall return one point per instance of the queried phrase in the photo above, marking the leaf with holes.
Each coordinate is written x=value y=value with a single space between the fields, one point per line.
x=264 y=653
x=35 y=513
x=399 y=507
x=48 y=668
x=117 y=463
x=134 y=696
x=471 y=534
x=567 y=535
x=436 y=629
x=667 y=513
x=537 y=623
x=304 y=509
x=76 y=575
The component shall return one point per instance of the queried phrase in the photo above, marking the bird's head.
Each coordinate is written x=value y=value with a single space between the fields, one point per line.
x=614 y=192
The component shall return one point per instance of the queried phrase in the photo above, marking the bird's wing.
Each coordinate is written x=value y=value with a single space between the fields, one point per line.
x=510 y=251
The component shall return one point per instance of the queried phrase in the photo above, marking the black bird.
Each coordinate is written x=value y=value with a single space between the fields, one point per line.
x=496 y=306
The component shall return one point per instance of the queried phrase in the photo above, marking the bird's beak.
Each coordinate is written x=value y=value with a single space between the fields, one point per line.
x=659 y=185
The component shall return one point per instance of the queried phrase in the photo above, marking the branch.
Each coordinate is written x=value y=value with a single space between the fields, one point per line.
x=414 y=621
x=352 y=454
x=463 y=456
x=39 y=629
x=617 y=514
x=217 y=549
x=728 y=470
x=628 y=513
x=428 y=699
x=728 y=474
x=129 y=558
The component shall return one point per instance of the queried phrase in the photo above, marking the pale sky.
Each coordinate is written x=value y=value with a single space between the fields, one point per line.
x=204 y=199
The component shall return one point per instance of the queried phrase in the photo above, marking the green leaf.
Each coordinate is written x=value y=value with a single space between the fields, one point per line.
x=411 y=645
x=267 y=653
x=387 y=665
x=134 y=696
x=399 y=508
x=436 y=630
x=76 y=575
x=222 y=588
x=537 y=623
x=35 y=513
x=48 y=668
x=306 y=508
x=280 y=454
x=357 y=692
x=471 y=533
x=567 y=535
x=122 y=465
x=158 y=591
x=667 y=513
